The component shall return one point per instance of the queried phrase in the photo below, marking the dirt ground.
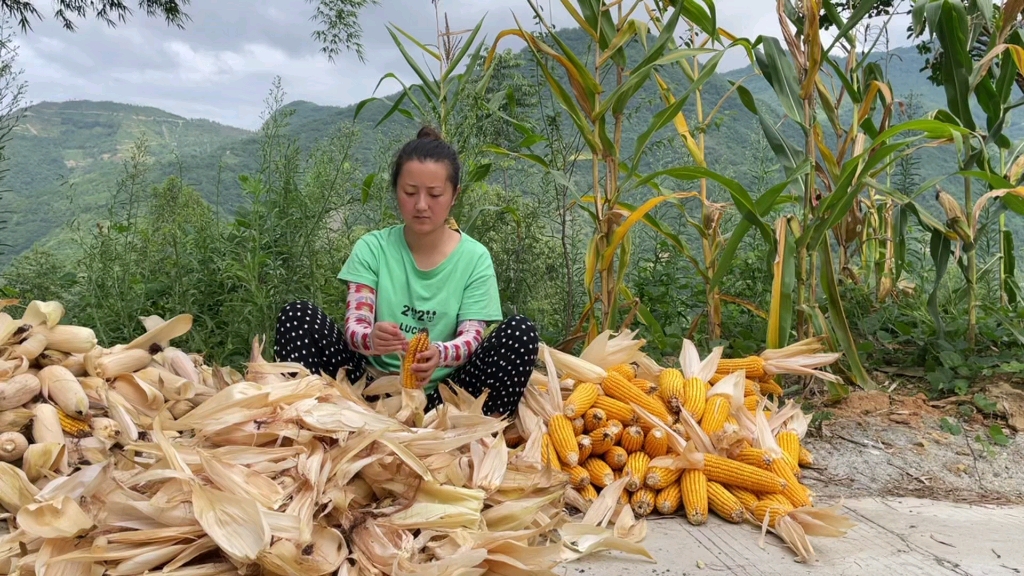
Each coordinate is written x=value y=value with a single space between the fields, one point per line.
x=894 y=445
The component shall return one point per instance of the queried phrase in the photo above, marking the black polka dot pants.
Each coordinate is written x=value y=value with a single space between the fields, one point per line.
x=307 y=336
x=502 y=365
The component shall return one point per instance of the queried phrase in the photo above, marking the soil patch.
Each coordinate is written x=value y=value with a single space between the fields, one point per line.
x=882 y=445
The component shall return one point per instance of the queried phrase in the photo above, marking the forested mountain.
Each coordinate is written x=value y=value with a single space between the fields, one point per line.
x=66 y=158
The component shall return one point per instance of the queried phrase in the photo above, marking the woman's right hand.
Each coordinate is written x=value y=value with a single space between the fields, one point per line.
x=386 y=337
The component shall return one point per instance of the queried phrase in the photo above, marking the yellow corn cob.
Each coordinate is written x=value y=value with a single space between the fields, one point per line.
x=731 y=423
x=695 y=394
x=669 y=498
x=806 y=458
x=659 y=478
x=619 y=388
x=642 y=502
x=750 y=403
x=616 y=428
x=616 y=457
x=600 y=472
x=755 y=457
x=747 y=498
x=563 y=439
x=627 y=371
x=589 y=493
x=715 y=413
x=753 y=365
x=769 y=387
x=778 y=499
x=601 y=441
x=645 y=386
x=751 y=388
x=420 y=342
x=614 y=409
x=723 y=503
x=624 y=497
x=790 y=444
x=773 y=510
x=577 y=426
x=795 y=492
x=72 y=426
x=656 y=443
x=670 y=388
x=636 y=467
x=593 y=419
x=733 y=473
x=548 y=455
x=581 y=399
x=694 y=485
x=632 y=439
x=579 y=477
x=584 y=445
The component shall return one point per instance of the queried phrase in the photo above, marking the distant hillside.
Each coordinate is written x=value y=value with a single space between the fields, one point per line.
x=82 y=143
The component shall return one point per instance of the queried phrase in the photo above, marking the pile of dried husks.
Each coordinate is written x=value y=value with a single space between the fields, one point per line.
x=141 y=457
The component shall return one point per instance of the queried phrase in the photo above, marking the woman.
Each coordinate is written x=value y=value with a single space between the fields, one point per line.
x=419 y=274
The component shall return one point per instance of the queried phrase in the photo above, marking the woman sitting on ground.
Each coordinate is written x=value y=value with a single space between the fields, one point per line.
x=422 y=273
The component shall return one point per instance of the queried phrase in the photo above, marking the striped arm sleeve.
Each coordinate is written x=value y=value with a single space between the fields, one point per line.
x=360 y=307
x=468 y=337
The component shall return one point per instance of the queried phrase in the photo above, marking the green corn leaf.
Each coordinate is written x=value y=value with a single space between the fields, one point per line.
x=839 y=323
x=778 y=70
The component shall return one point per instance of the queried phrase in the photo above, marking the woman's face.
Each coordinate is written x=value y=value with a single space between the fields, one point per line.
x=425 y=197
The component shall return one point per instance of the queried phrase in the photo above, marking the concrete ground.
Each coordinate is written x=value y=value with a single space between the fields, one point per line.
x=893 y=537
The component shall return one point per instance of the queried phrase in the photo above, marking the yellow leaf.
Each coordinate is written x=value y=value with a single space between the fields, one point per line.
x=634 y=217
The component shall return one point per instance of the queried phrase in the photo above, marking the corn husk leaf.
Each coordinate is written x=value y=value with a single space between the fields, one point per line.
x=61 y=517
x=233 y=522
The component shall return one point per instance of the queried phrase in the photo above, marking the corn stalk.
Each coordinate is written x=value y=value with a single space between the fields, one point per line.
x=860 y=151
x=959 y=28
x=597 y=114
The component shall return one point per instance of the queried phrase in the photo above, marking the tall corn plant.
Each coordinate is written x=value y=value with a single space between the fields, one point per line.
x=597 y=113
x=982 y=57
x=438 y=98
x=845 y=166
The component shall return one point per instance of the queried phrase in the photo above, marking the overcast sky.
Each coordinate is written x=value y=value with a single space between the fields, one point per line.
x=221 y=67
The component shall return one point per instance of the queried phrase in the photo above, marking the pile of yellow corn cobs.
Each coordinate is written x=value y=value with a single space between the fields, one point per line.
x=700 y=438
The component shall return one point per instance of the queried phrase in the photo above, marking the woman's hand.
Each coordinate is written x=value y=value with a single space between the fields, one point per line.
x=425 y=364
x=386 y=338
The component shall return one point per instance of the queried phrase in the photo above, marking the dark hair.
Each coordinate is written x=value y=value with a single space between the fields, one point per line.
x=428 y=146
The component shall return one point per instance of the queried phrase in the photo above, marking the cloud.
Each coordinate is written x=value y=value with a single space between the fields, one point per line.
x=222 y=65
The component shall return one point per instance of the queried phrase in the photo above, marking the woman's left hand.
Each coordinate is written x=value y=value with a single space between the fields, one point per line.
x=425 y=364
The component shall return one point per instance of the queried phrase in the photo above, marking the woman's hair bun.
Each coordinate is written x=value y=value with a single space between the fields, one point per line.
x=428 y=133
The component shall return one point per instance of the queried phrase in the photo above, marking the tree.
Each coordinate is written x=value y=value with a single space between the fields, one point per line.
x=338 y=20
x=12 y=95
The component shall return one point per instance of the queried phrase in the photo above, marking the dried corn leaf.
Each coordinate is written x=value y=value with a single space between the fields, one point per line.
x=61 y=517
x=233 y=522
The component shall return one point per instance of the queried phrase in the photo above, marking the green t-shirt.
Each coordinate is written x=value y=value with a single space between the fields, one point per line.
x=462 y=287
